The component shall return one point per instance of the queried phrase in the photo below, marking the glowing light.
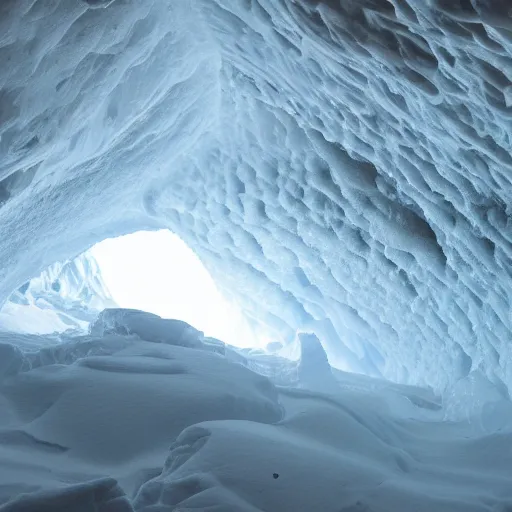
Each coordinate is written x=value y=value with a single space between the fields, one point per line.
x=156 y=271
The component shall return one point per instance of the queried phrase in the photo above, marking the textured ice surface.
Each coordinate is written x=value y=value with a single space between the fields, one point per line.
x=114 y=422
x=65 y=296
x=342 y=167
x=156 y=271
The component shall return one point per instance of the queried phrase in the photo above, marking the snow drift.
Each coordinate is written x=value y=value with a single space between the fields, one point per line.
x=122 y=421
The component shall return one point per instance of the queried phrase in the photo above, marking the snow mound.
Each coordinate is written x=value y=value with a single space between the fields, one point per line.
x=148 y=326
x=290 y=466
x=91 y=407
x=115 y=422
x=340 y=167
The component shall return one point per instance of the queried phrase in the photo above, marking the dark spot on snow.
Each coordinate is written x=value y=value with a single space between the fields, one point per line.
x=276 y=476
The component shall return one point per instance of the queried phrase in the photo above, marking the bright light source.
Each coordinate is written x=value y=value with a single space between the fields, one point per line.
x=156 y=271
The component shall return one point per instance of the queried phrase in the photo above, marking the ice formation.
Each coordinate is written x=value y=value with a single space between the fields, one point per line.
x=64 y=297
x=343 y=168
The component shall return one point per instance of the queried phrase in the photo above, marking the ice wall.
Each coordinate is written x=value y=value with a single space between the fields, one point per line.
x=66 y=296
x=342 y=167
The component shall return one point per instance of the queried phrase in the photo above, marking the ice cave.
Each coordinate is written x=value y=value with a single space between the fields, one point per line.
x=341 y=170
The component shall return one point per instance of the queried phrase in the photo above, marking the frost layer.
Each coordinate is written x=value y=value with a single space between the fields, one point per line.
x=340 y=166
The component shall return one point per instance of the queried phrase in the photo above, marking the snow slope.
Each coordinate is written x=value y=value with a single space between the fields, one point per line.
x=342 y=167
x=125 y=419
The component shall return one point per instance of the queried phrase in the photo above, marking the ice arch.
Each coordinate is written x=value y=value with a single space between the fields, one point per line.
x=155 y=271
x=341 y=166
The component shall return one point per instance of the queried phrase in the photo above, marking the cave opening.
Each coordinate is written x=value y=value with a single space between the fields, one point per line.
x=152 y=271
x=157 y=272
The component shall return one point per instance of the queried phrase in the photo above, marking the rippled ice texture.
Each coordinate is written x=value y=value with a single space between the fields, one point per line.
x=343 y=167
x=64 y=297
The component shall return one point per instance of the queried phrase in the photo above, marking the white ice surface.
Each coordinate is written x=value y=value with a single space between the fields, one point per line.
x=113 y=422
x=340 y=167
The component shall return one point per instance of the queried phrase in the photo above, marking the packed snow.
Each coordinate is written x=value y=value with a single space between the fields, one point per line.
x=65 y=297
x=343 y=170
x=147 y=414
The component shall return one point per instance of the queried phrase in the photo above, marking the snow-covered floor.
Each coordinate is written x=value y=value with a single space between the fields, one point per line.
x=64 y=297
x=145 y=414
